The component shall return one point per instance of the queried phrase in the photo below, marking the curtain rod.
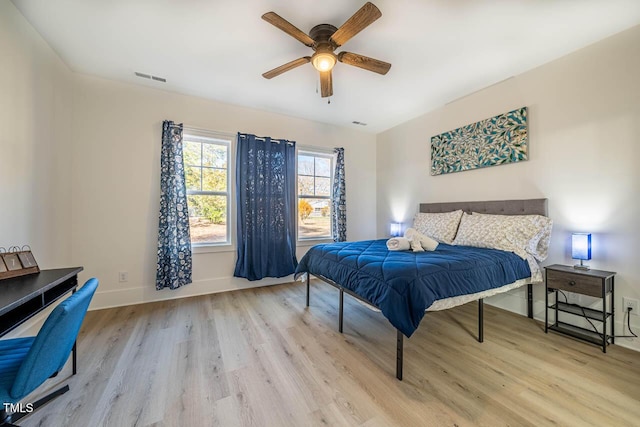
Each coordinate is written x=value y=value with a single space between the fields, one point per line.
x=274 y=140
x=232 y=135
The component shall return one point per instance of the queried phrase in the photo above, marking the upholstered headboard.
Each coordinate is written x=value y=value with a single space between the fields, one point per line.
x=498 y=207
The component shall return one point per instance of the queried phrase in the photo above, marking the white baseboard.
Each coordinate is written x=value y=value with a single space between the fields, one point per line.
x=516 y=302
x=630 y=343
x=141 y=295
x=144 y=294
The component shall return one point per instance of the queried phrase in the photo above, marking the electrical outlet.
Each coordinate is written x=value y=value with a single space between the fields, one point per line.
x=123 y=276
x=630 y=303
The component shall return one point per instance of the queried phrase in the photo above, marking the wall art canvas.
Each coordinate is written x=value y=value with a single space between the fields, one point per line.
x=495 y=141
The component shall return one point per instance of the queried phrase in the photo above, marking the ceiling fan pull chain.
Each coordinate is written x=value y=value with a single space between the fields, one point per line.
x=329 y=100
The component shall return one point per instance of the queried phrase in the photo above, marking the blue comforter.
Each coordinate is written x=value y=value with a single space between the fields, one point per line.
x=404 y=284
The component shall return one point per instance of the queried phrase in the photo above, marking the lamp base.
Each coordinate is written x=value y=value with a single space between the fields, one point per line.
x=581 y=267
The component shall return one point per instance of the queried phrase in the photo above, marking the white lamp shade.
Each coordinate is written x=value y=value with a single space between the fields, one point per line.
x=581 y=246
x=396 y=229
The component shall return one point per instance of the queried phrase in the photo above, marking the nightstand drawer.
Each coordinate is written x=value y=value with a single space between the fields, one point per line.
x=577 y=283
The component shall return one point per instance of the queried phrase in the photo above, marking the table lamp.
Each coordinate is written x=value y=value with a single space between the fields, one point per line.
x=581 y=249
x=396 y=229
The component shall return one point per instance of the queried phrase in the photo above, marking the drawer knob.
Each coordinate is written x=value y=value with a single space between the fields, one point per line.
x=572 y=283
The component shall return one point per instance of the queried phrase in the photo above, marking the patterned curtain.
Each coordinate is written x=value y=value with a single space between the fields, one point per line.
x=339 y=203
x=266 y=194
x=174 y=241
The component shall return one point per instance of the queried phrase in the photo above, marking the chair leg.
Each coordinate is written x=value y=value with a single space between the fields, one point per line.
x=5 y=419
x=75 y=358
x=16 y=416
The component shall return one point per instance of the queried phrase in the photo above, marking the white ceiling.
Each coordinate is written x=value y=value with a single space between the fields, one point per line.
x=440 y=49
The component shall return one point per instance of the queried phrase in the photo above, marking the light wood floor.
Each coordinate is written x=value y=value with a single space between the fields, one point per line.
x=260 y=357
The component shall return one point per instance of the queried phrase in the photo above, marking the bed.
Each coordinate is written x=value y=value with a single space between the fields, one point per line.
x=405 y=285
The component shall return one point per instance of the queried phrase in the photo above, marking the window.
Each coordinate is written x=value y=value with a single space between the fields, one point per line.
x=315 y=175
x=206 y=169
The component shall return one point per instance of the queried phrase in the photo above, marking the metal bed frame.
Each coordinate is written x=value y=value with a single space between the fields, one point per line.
x=503 y=207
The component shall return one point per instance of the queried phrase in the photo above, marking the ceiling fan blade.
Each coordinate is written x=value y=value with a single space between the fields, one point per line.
x=326 y=83
x=364 y=62
x=286 y=67
x=278 y=21
x=358 y=22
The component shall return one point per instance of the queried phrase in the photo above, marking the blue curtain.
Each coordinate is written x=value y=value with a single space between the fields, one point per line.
x=339 y=211
x=174 y=241
x=266 y=194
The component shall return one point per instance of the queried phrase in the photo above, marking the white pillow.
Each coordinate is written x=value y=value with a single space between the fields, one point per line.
x=541 y=249
x=520 y=234
x=439 y=226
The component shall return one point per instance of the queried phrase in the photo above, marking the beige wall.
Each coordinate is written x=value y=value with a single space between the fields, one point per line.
x=584 y=124
x=116 y=156
x=35 y=137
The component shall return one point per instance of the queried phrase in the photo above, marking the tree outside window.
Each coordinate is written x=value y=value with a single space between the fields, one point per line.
x=206 y=164
x=315 y=175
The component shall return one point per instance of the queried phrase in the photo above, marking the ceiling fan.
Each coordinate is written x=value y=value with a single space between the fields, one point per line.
x=324 y=39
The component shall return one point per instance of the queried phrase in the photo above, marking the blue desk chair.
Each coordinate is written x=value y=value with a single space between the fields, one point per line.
x=26 y=363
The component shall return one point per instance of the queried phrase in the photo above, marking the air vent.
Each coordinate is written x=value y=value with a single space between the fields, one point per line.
x=355 y=122
x=149 y=76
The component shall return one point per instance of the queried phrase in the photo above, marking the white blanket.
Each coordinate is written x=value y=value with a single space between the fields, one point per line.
x=398 y=244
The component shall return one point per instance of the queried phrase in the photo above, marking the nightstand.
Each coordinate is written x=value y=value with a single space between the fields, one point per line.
x=594 y=283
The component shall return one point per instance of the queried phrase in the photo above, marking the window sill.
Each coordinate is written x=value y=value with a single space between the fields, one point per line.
x=205 y=249
x=312 y=242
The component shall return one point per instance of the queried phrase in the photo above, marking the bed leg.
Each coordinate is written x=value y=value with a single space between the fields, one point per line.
x=480 y=320
x=399 y=351
x=341 y=310
x=530 y=301
x=308 y=276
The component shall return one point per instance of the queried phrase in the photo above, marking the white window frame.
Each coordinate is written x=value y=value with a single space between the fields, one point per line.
x=328 y=154
x=228 y=141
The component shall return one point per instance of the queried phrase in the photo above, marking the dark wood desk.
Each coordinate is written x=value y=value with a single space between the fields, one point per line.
x=23 y=297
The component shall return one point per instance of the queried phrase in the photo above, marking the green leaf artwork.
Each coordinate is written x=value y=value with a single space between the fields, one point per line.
x=499 y=140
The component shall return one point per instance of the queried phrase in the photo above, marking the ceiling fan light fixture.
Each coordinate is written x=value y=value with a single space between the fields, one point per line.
x=324 y=39
x=323 y=61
